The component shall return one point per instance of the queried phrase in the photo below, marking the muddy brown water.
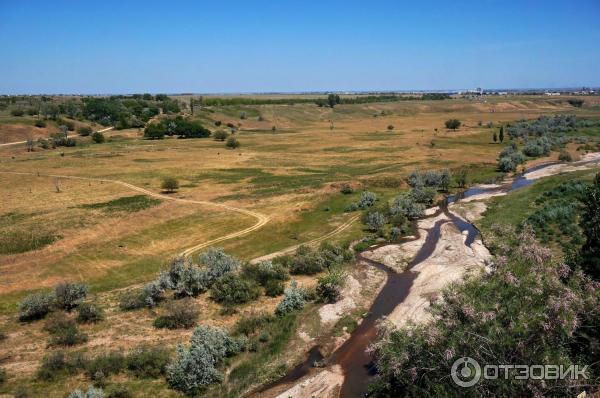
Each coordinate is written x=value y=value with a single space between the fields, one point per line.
x=357 y=365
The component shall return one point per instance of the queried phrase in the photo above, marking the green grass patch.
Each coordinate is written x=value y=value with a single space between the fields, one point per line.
x=21 y=241
x=129 y=204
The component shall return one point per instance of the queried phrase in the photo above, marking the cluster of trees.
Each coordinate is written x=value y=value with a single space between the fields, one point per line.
x=65 y=296
x=179 y=126
x=510 y=158
x=334 y=99
x=533 y=308
x=367 y=199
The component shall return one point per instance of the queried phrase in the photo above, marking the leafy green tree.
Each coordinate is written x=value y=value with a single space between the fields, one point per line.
x=453 y=124
x=231 y=289
x=155 y=131
x=332 y=100
x=169 y=184
x=98 y=137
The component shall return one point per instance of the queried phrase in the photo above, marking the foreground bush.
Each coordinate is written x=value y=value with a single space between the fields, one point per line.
x=231 y=289
x=195 y=367
x=64 y=332
x=148 y=362
x=57 y=364
x=294 y=299
x=98 y=137
x=180 y=314
x=89 y=313
x=36 y=306
x=529 y=310
x=329 y=287
x=69 y=295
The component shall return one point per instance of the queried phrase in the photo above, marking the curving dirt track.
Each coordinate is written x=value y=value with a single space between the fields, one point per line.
x=262 y=219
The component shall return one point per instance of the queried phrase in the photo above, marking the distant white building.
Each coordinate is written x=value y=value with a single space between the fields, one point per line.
x=552 y=93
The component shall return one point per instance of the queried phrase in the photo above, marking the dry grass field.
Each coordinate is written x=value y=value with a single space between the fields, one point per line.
x=112 y=237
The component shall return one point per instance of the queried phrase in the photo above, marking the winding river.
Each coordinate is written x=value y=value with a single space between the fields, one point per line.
x=355 y=362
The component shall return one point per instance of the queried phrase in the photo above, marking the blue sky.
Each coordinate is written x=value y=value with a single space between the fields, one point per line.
x=251 y=46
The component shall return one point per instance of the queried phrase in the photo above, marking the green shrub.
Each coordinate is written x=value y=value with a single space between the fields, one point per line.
x=148 y=362
x=132 y=300
x=64 y=332
x=169 y=184
x=565 y=156
x=231 y=289
x=155 y=131
x=104 y=365
x=3 y=376
x=294 y=299
x=40 y=123
x=195 y=367
x=265 y=271
x=69 y=295
x=274 y=288
x=98 y=137
x=181 y=314
x=118 y=391
x=367 y=199
x=89 y=313
x=220 y=135
x=347 y=189
x=36 y=306
x=452 y=124
x=374 y=220
x=248 y=324
x=329 y=287
x=17 y=112
x=232 y=143
x=56 y=364
x=84 y=131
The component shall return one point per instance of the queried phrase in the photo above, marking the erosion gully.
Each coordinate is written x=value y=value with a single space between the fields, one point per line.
x=352 y=356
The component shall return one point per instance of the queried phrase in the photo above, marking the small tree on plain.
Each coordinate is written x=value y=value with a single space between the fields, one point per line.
x=169 y=184
x=98 y=137
x=390 y=127
x=453 y=124
x=501 y=135
x=495 y=137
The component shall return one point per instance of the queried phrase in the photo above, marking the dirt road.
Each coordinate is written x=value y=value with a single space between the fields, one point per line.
x=261 y=218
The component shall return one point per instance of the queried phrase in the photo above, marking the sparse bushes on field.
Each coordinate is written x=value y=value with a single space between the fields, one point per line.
x=274 y=288
x=69 y=295
x=3 y=376
x=294 y=299
x=118 y=391
x=577 y=103
x=64 y=332
x=232 y=143
x=231 y=289
x=169 y=184
x=36 y=306
x=56 y=364
x=84 y=131
x=17 y=112
x=89 y=313
x=40 y=123
x=249 y=324
x=220 y=135
x=329 y=287
x=181 y=314
x=195 y=367
x=98 y=137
